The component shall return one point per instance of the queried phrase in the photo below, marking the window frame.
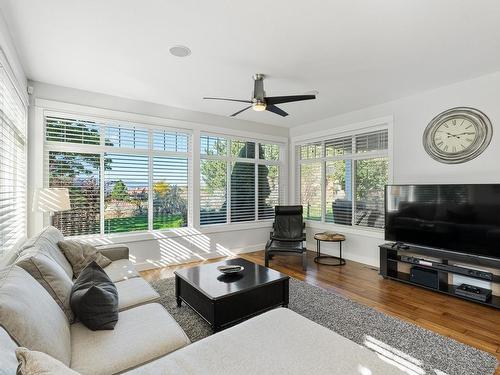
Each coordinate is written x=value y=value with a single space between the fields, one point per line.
x=229 y=160
x=103 y=149
x=47 y=107
x=353 y=130
x=20 y=131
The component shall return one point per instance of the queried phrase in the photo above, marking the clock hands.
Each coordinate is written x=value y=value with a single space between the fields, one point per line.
x=458 y=135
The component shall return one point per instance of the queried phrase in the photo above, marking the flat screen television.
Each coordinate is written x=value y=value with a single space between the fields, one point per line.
x=460 y=218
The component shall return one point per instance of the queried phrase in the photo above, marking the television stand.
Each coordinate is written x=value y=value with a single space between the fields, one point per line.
x=394 y=257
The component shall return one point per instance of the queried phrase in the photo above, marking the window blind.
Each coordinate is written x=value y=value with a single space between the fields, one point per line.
x=342 y=179
x=111 y=173
x=338 y=193
x=310 y=190
x=242 y=192
x=127 y=137
x=126 y=193
x=170 y=141
x=79 y=173
x=372 y=141
x=239 y=176
x=12 y=164
x=339 y=146
x=370 y=179
x=170 y=192
x=67 y=130
x=268 y=190
x=213 y=185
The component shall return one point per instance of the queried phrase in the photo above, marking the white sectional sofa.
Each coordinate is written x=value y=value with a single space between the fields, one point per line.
x=145 y=330
x=147 y=340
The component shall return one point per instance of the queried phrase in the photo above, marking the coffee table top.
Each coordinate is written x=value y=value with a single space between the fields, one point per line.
x=208 y=280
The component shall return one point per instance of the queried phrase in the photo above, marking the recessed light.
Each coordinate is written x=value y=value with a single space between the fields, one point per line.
x=180 y=51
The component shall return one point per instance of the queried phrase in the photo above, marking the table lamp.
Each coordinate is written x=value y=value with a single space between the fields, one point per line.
x=51 y=200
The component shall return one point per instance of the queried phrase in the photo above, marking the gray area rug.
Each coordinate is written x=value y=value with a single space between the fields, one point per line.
x=421 y=351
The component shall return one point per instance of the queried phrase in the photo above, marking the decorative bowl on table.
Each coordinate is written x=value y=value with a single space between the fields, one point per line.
x=230 y=269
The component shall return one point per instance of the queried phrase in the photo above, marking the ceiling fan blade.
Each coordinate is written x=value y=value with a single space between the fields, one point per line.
x=272 y=108
x=244 y=109
x=229 y=100
x=288 y=99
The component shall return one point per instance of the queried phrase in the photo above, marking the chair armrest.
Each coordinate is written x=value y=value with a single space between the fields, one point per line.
x=114 y=251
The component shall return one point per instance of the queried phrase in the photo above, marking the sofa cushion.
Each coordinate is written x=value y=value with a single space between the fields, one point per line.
x=94 y=298
x=114 y=251
x=51 y=276
x=8 y=360
x=38 y=363
x=142 y=334
x=120 y=270
x=277 y=342
x=46 y=241
x=31 y=316
x=80 y=254
x=135 y=292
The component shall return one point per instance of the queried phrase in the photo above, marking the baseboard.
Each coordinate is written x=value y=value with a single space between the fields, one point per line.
x=369 y=261
x=143 y=266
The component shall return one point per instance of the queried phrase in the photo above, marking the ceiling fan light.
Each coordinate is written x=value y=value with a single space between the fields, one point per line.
x=259 y=106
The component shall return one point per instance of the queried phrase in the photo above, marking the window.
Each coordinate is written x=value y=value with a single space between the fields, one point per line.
x=238 y=184
x=121 y=177
x=341 y=180
x=13 y=114
x=80 y=173
x=126 y=192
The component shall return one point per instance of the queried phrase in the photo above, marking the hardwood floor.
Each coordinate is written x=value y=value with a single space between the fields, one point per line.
x=467 y=322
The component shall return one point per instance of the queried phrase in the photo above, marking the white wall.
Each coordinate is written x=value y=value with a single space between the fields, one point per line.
x=7 y=46
x=411 y=164
x=92 y=99
x=156 y=248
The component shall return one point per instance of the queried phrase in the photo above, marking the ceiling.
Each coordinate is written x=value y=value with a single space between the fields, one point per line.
x=355 y=53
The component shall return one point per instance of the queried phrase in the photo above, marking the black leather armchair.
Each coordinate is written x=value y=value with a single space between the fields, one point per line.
x=288 y=234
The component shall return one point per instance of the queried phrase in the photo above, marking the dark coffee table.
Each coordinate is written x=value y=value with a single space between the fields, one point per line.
x=224 y=300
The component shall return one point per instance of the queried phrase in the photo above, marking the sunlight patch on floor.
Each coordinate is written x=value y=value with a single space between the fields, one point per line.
x=396 y=357
x=172 y=251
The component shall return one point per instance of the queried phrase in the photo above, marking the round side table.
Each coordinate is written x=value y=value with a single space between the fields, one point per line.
x=322 y=259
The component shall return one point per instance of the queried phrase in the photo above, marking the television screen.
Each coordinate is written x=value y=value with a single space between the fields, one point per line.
x=462 y=218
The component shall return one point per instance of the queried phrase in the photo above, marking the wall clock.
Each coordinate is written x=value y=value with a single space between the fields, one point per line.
x=457 y=135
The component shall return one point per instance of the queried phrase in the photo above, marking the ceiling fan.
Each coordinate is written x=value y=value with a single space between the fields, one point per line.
x=261 y=102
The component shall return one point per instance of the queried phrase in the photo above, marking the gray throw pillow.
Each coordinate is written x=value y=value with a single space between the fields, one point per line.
x=94 y=299
x=38 y=363
x=80 y=254
x=51 y=276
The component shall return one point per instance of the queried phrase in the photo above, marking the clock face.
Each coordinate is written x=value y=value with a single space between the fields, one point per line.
x=457 y=135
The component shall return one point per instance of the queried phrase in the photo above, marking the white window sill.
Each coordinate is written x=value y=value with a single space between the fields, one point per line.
x=172 y=233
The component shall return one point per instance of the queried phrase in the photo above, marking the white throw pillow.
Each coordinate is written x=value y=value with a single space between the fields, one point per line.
x=38 y=363
x=46 y=242
x=51 y=276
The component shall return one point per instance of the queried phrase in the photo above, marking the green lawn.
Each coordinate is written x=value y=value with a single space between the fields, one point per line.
x=130 y=224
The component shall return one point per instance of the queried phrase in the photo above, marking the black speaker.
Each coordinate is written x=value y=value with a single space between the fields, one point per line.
x=425 y=277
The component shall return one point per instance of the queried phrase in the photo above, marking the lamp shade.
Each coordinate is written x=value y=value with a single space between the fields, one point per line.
x=51 y=200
